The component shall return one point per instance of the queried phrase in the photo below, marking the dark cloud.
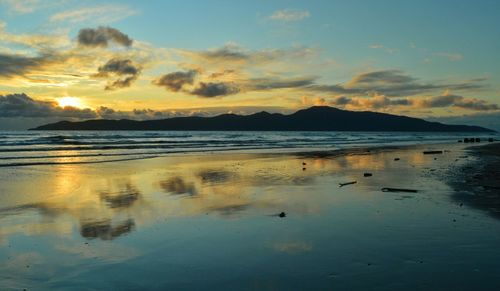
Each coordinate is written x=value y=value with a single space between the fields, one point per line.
x=119 y=67
x=211 y=89
x=387 y=76
x=234 y=54
x=17 y=65
x=476 y=104
x=102 y=36
x=176 y=81
x=227 y=53
x=21 y=105
x=455 y=101
x=394 y=83
x=274 y=83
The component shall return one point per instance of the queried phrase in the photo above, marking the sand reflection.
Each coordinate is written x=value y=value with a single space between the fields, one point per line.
x=108 y=201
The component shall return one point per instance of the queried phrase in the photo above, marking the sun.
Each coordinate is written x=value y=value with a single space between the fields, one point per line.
x=69 y=102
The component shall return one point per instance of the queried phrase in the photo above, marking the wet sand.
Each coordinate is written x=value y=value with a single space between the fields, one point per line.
x=478 y=183
x=212 y=221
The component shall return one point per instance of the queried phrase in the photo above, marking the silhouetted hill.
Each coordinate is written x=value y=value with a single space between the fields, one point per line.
x=318 y=118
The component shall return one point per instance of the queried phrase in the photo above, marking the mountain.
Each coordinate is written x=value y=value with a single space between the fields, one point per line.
x=317 y=118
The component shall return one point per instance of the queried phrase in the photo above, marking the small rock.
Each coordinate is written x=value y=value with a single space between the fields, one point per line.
x=282 y=214
x=367 y=174
x=396 y=159
x=304 y=163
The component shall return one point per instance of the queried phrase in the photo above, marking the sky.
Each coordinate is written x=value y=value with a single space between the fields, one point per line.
x=76 y=60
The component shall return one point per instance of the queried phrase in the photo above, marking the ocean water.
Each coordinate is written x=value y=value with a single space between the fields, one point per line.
x=22 y=148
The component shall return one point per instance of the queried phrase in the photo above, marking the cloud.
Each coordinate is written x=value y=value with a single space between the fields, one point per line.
x=384 y=48
x=447 y=100
x=383 y=102
x=211 y=89
x=21 y=6
x=289 y=15
x=21 y=105
x=278 y=83
x=17 y=65
x=119 y=67
x=184 y=81
x=394 y=83
x=97 y=14
x=102 y=36
x=232 y=54
x=176 y=81
x=33 y=40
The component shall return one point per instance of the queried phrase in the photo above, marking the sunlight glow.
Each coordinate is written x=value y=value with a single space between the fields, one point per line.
x=70 y=102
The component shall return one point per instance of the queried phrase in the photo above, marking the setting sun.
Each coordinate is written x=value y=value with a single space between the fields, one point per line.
x=69 y=102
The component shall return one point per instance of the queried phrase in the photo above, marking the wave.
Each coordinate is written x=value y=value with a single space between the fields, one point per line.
x=45 y=148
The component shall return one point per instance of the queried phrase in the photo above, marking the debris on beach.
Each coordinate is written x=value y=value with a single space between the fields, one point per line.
x=347 y=183
x=396 y=159
x=304 y=163
x=433 y=152
x=398 y=190
x=282 y=214
x=490 y=139
x=367 y=174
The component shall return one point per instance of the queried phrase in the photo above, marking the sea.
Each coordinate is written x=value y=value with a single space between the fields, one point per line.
x=25 y=148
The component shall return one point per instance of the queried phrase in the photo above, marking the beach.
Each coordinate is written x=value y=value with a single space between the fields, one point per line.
x=247 y=220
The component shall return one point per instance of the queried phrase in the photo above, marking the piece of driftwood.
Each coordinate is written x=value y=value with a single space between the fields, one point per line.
x=433 y=152
x=398 y=190
x=367 y=174
x=347 y=183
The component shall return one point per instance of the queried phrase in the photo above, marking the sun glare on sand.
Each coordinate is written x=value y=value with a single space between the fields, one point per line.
x=69 y=102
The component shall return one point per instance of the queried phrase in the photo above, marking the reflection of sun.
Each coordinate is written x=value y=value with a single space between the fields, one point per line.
x=69 y=102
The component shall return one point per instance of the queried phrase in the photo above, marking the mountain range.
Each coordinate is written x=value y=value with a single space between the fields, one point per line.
x=316 y=118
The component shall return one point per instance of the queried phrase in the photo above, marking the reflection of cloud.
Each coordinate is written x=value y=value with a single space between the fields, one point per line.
x=125 y=197
x=215 y=176
x=293 y=247
x=177 y=185
x=104 y=229
x=229 y=210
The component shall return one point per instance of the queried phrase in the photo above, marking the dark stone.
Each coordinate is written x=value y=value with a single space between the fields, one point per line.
x=367 y=174
x=282 y=214
x=396 y=159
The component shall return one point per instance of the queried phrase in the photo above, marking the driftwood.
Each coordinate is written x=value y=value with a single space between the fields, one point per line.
x=399 y=190
x=347 y=183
